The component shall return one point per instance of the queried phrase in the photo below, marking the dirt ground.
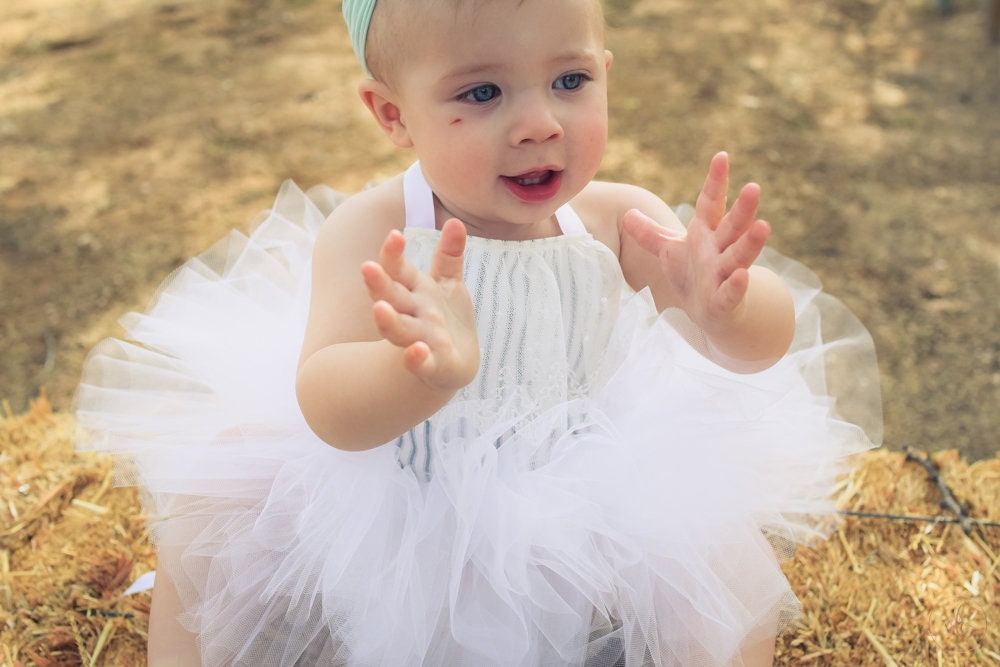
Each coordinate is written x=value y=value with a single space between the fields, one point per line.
x=135 y=133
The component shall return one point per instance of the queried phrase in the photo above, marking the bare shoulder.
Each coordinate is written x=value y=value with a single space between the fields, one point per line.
x=360 y=224
x=340 y=307
x=602 y=204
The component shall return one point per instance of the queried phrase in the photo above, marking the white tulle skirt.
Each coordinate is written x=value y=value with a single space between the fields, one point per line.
x=649 y=532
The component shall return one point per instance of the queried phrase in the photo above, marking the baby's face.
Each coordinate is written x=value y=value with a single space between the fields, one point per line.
x=505 y=104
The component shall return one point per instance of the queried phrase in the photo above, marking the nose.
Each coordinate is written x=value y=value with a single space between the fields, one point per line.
x=534 y=121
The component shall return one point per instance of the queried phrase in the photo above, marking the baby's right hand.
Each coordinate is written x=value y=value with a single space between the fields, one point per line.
x=430 y=315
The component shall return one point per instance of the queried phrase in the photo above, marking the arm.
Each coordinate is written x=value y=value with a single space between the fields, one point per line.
x=744 y=312
x=371 y=371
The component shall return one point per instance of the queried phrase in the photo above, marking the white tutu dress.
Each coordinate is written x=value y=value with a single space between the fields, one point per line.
x=599 y=495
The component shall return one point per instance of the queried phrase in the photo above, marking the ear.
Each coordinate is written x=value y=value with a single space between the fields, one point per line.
x=380 y=100
x=608 y=58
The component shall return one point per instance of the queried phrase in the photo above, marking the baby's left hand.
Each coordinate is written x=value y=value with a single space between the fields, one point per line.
x=707 y=266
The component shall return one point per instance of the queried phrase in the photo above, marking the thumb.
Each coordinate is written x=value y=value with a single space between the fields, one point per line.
x=449 y=257
x=649 y=234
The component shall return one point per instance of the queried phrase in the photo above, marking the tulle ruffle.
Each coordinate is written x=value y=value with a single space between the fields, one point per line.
x=644 y=532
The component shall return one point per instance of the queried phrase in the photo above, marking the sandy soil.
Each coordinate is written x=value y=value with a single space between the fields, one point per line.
x=135 y=133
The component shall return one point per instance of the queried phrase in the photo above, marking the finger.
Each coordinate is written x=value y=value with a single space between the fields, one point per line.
x=393 y=261
x=740 y=217
x=417 y=358
x=711 y=203
x=747 y=248
x=449 y=256
x=397 y=328
x=731 y=292
x=381 y=287
x=376 y=280
x=651 y=236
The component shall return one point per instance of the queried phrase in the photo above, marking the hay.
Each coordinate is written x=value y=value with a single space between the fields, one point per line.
x=70 y=543
x=879 y=592
x=889 y=592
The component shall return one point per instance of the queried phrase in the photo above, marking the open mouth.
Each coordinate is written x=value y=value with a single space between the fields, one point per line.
x=535 y=178
x=534 y=186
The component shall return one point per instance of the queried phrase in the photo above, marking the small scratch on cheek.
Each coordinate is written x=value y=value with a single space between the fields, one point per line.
x=455 y=121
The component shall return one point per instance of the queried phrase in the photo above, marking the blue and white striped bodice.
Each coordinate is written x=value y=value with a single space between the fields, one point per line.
x=544 y=310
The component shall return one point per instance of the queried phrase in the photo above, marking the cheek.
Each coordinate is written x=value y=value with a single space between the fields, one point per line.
x=464 y=138
x=594 y=134
x=453 y=131
x=457 y=162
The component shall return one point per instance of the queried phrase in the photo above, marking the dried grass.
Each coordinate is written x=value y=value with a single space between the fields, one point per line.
x=70 y=543
x=884 y=592
x=879 y=592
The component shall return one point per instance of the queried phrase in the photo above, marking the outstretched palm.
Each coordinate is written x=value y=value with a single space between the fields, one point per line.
x=429 y=315
x=707 y=266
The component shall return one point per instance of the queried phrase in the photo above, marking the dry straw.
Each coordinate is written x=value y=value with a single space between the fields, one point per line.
x=879 y=592
x=70 y=543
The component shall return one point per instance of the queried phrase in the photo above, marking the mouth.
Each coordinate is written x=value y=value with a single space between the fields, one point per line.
x=534 y=186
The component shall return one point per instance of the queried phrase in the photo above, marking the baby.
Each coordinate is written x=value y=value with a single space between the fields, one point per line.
x=490 y=411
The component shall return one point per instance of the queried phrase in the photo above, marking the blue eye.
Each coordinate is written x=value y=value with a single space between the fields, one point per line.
x=481 y=94
x=570 y=81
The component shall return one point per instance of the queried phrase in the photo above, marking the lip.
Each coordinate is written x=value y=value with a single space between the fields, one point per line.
x=534 y=186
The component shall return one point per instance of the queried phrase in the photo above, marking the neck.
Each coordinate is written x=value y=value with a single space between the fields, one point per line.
x=497 y=229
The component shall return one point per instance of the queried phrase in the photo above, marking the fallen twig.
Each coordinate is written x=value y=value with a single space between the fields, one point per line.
x=948 y=499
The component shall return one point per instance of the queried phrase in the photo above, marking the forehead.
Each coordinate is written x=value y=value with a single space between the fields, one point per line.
x=498 y=30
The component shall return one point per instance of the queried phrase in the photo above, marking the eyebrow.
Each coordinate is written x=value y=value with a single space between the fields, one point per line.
x=492 y=67
x=474 y=68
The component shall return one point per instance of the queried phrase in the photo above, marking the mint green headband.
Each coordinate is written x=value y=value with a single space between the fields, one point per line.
x=358 y=15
